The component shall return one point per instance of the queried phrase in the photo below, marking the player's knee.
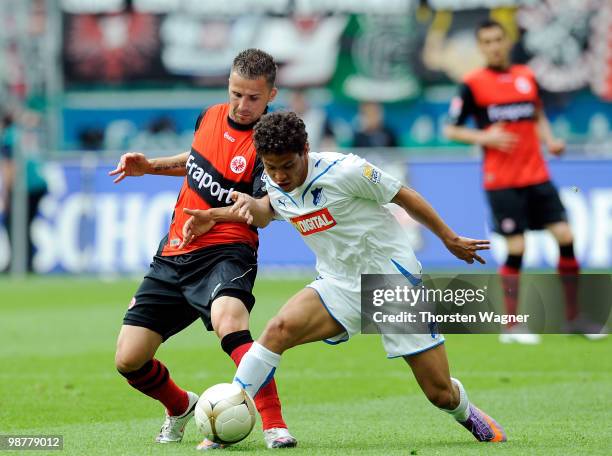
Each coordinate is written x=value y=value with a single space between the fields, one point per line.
x=228 y=316
x=516 y=245
x=127 y=362
x=564 y=235
x=280 y=332
x=229 y=324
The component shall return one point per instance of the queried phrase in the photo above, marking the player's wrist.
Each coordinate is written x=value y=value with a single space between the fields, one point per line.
x=482 y=139
x=151 y=166
x=213 y=214
x=449 y=237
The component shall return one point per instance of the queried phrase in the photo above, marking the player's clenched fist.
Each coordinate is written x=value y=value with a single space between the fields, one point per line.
x=131 y=164
x=555 y=146
x=243 y=206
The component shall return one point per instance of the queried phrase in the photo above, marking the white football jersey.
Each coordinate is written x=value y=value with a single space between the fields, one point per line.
x=340 y=214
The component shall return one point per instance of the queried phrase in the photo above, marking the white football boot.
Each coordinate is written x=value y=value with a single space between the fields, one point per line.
x=279 y=438
x=587 y=328
x=174 y=426
x=520 y=335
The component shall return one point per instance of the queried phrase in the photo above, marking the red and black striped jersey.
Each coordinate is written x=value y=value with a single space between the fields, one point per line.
x=222 y=160
x=509 y=98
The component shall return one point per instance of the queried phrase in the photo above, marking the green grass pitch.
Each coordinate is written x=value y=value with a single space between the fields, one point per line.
x=57 y=338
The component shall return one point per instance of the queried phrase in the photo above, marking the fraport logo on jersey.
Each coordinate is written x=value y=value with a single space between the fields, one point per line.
x=511 y=112
x=205 y=180
x=238 y=164
x=314 y=222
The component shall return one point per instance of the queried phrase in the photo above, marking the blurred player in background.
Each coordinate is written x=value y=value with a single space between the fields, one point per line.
x=504 y=101
x=371 y=129
x=212 y=277
x=336 y=203
x=11 y=124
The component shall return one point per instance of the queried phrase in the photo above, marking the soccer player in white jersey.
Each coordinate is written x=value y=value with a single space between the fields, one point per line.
x=336 y=202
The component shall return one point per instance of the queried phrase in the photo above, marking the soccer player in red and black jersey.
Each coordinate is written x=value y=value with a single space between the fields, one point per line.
x=503 y=99
x=209 y=277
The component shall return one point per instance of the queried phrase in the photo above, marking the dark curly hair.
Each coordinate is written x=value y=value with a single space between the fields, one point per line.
x=279 y=133
x=254 y=63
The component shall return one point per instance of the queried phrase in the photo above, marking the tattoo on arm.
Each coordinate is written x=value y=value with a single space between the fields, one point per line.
x=169 y=166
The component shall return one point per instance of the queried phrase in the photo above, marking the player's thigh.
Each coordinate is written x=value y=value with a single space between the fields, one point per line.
x=509 y=210
x=301 y=320
x=221 y=278
x=159 y=304
x=228 y=314
x=545 y=206
x=135 y=346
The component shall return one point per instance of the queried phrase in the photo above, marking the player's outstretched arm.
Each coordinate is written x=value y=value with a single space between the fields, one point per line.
x=417 y=207
x=246 y=209
x=137 y=164
x=495 y=136
x=257 y=211
x=202 y=220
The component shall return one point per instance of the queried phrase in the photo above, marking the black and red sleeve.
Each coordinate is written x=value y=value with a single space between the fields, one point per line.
x=462 y=107
x=199 y=120
x=259 y=186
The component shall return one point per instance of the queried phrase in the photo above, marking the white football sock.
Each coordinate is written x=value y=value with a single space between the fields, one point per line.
x=462 y=412
x=256 y=368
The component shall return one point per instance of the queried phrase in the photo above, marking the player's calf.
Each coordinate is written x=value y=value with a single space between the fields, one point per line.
x=443 y=397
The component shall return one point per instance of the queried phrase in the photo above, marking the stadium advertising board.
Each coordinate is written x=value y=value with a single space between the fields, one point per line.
x=87 y=224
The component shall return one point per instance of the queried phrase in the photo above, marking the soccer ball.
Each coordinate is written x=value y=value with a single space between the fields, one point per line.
x=225 y=413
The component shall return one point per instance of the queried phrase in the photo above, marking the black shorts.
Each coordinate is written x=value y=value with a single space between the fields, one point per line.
x=518 y=209
x=179 y=289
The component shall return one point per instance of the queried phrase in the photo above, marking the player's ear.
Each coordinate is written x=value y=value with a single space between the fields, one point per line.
x=306 y=148
x=273 y=93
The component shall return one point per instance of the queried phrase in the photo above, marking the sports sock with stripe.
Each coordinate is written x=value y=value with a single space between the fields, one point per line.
x=153 y=379
x=256 y=368
x=569 y=271
x=236 y=345
x=510 y=277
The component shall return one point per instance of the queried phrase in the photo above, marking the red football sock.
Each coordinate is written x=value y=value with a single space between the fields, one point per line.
x=267 y=401
x=510 y=282
x=569 y=269
x=153 y=379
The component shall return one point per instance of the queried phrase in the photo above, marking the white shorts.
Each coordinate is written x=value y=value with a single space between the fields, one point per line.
x=344 y=306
